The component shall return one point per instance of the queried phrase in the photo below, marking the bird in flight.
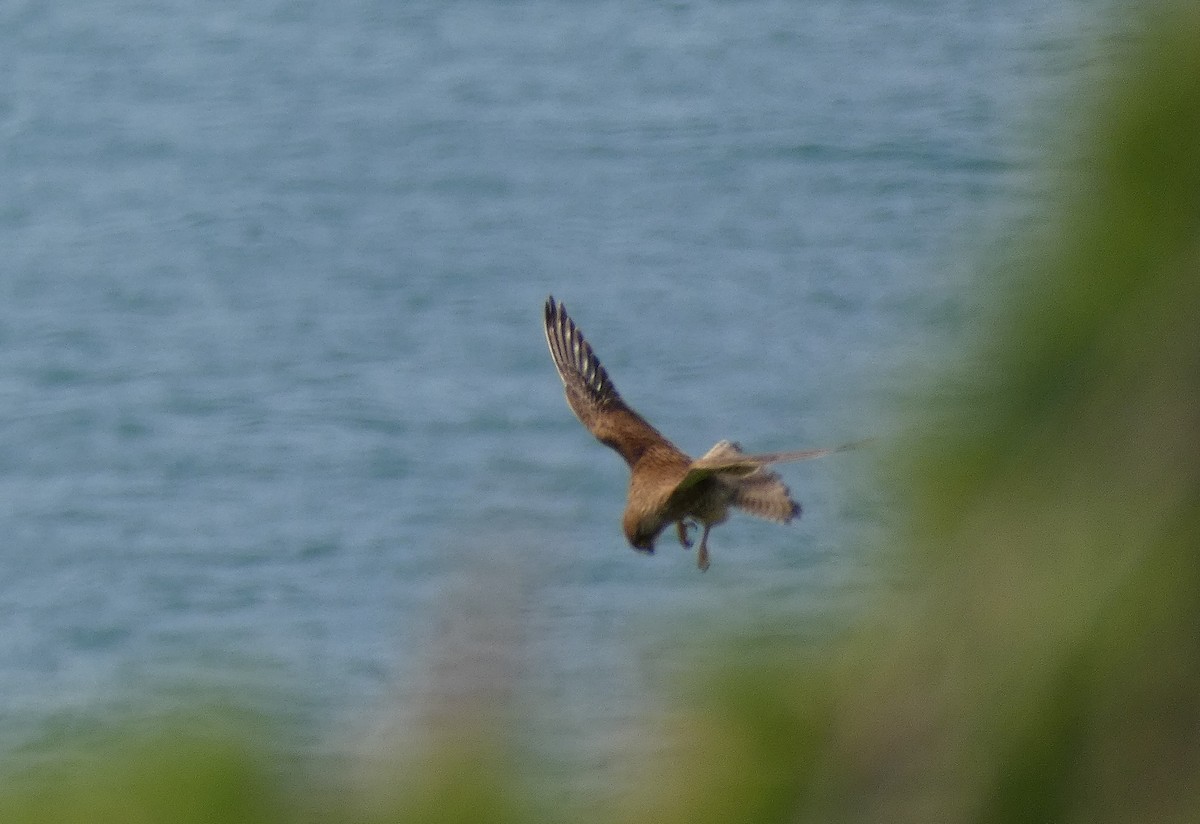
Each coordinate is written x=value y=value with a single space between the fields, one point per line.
x=665 y=485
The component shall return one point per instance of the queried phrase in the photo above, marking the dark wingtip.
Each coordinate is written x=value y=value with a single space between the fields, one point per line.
x=557 y=321
x=555 y=311
x=573 y=353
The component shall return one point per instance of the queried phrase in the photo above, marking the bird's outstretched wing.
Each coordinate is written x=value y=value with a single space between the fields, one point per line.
x=590 y=392
x=727 y=459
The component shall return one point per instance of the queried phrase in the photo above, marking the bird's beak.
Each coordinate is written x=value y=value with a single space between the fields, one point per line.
x=643 y=546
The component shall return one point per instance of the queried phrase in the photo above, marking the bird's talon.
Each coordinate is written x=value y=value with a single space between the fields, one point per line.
x=681 y=528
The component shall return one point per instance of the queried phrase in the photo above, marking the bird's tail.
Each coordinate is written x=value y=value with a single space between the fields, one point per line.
x=756 y=489
x=763 y=494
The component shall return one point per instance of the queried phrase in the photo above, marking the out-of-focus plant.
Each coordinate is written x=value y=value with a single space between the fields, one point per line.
x=172 y=773
x=1044 y=663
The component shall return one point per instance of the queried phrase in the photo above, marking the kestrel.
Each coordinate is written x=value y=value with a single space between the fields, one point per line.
x=665 y=485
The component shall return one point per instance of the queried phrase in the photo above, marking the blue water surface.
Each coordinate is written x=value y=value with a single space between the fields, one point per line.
x=276 y=405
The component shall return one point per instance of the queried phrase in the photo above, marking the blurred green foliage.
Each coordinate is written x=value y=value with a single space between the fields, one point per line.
x=171 y=774
x=1044 y=667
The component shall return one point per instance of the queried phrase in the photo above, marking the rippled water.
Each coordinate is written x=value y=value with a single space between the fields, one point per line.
x=276 y=403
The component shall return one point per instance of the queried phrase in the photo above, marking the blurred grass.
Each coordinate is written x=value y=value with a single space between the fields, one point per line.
x=1046 y=667
x=170 y=774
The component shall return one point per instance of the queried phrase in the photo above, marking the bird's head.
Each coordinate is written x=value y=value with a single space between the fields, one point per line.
x=641 y=530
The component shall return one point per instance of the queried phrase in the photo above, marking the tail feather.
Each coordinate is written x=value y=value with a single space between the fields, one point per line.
x=763 y=494
x=759 y=491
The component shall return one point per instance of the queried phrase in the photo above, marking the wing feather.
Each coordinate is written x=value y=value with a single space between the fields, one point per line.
x=727 y=460
x=727 y=457
x=590 y=391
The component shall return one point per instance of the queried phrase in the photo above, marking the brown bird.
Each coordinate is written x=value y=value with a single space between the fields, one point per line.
x=665 y=485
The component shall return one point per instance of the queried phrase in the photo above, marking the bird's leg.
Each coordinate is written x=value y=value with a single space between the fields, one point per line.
x=702 y=552
x=681 y=529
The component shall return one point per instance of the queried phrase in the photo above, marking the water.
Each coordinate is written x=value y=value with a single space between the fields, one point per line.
x=277 y=406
